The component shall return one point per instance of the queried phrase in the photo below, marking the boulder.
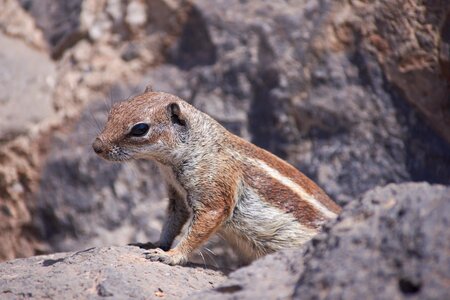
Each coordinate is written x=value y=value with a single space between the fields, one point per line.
x=114 y=272
x=271 y=277
x=37 y=79
x=393 y=243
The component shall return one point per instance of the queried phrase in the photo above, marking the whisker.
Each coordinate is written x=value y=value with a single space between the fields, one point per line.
x=107 y=106
x=221 y=237
x=210 y=251
x=130 y=166
x=201 y=254
x=95 y=120
x=211 y=257
x=93 y=124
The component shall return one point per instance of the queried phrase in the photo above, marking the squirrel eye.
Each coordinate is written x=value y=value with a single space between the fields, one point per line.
x=139 y=129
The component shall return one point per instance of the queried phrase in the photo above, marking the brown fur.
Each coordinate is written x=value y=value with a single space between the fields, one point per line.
x=284 y=168
x=251 y=196
x=282 y=197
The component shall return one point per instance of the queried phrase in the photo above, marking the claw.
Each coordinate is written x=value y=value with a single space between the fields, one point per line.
x=169 y=257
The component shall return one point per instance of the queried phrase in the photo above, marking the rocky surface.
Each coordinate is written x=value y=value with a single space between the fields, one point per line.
x=271 y=277
x=113 y=272
x=392 y=244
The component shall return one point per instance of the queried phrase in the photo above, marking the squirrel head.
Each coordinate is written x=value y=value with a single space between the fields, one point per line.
x=152 y=125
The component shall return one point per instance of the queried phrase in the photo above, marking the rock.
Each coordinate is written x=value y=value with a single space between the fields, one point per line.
x=136 y=15
x=393 y=243
x=271 y=277
x=58 y=20
x=318 y=84
x=16 y=22
x=27 y=80
x=37 y=73
x=117 y=272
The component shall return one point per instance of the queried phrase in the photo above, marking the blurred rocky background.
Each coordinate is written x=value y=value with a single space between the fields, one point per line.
x=356 y=94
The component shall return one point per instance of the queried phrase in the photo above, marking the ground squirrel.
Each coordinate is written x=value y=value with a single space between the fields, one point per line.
x=255 y=200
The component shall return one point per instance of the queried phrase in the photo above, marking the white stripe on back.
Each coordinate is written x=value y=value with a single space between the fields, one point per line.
x=294 y=187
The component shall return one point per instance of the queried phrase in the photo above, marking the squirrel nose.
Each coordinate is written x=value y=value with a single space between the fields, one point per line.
x=97 y=145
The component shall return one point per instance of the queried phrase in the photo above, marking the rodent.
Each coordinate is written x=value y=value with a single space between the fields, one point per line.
x=255 y=200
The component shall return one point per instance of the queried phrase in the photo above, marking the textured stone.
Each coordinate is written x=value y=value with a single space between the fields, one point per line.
x=27 y=79
x=115 y=272
x=16 y=22
x=271 y=277
x=393 y=243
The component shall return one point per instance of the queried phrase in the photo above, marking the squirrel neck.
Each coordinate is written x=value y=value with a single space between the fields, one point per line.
x=205 y=137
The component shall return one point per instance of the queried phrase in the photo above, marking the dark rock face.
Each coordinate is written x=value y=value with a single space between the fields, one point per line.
x=194 y=46
x=303 y=83
x=115 y=272
x=391 y=244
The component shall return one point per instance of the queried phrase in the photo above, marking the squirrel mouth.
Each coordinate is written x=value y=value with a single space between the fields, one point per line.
x=120 y=156
x=115 y=154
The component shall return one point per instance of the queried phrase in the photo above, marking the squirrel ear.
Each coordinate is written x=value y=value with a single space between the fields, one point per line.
x=175 y=114
x=148 y=88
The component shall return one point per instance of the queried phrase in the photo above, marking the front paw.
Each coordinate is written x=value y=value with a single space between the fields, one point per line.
x=171 y=257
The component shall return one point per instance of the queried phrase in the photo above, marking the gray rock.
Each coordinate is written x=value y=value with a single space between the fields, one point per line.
x=18 y=98
x=113 y=272
x=271 y=277
x=392 y=244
